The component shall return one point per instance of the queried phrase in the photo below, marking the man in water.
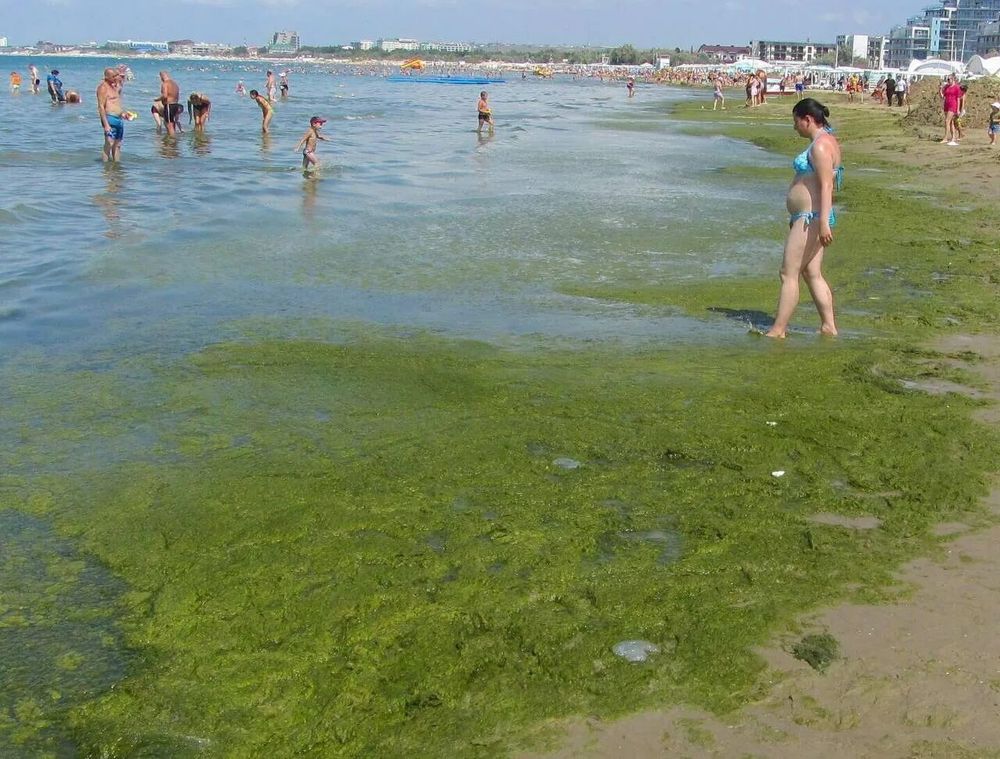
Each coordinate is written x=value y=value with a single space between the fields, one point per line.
x=485 y=113
x=269 y=86
x=630 y=86
x=35 y=81
x=170 y=94
x=109 y=108
x=55 y=85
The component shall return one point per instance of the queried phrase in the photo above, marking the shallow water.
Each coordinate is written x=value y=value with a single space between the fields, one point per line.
x=414 y=220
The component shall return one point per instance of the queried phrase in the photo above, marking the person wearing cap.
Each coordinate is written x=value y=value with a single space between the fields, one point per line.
x=309 y=141
x=993 y=127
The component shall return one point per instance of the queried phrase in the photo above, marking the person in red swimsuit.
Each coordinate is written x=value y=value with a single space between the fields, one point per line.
x=951 y=94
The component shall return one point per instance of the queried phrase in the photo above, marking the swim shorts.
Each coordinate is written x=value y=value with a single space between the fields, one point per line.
x=994 y=128
x=116 y=127
x=175 y=110
x=484 y=116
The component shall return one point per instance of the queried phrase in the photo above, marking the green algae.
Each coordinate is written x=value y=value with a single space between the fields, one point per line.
x=818 y=650
x=366 y=548
x=361 y=544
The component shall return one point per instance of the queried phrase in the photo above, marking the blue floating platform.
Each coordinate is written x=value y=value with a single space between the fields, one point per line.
x=418 y=79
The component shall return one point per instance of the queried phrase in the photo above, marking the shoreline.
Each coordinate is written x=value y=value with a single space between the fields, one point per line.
x=916 y=673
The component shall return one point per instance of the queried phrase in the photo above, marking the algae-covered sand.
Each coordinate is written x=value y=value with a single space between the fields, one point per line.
x=379 y=544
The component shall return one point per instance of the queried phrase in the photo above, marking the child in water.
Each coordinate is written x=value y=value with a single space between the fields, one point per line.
x=484 y=111
x=266 y=111
x=309 y=141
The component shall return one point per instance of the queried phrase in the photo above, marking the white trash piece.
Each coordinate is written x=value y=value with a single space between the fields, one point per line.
x=635 y=650
x=567 y=463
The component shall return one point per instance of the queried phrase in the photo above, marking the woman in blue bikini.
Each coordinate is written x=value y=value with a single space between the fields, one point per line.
x=818 y=170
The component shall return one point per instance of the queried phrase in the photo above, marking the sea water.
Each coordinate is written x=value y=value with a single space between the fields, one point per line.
x=413 y=221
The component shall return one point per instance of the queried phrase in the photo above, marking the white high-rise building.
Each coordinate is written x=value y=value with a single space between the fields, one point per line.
x=873 y=48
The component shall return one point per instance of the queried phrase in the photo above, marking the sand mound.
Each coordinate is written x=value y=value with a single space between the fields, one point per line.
x=925 y=103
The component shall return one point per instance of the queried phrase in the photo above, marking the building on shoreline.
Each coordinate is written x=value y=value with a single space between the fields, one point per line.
x=3 y=42
x=446 y=47
x=949 y=30
x=138 y=46
x=188 y=47
x=873 y=48
x=399 y=43
x=798 y=52
x=725 y=53
x=284 y=43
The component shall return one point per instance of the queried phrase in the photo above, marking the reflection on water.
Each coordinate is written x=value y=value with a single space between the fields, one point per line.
x=201 y=142
x=310 y=191
x=109 y=201
x=170 y=148
x=265 y=142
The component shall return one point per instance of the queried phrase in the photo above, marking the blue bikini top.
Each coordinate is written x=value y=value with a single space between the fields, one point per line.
x=803 y=165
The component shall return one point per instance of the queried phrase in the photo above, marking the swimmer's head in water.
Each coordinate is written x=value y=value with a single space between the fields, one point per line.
x=110 y=74
x=317 y=121
x=55 y=72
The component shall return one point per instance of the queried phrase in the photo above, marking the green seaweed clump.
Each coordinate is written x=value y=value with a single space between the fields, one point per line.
x=818 y=650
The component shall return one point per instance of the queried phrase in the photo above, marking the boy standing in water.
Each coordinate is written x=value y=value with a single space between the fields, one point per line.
x=309 y=141
x=265 y=109
x=485 y=114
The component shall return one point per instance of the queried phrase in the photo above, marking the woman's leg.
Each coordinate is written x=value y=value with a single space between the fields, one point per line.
x=822 y=295
x=792 y=264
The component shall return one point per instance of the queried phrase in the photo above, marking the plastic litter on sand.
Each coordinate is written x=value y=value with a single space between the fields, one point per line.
x=567 y=463
x=635 y=650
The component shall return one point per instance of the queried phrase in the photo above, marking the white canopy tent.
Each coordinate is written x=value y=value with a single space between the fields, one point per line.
x=934 y=67
x=979 y=66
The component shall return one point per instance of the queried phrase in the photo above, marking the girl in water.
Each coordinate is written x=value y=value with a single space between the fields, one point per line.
x=818 y=170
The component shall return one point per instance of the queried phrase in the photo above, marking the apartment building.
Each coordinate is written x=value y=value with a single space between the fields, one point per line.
x=798 y=52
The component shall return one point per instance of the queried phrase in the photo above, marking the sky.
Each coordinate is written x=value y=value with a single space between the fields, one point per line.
x=643 y=23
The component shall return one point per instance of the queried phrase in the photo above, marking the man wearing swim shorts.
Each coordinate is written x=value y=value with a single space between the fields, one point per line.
x=170 y=94
x=485 y=114
x=109 y=108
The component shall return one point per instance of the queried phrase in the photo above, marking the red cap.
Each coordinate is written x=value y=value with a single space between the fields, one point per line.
x=316 y=120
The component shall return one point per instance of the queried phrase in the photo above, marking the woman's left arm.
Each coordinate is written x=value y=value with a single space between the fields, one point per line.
x=822 y=159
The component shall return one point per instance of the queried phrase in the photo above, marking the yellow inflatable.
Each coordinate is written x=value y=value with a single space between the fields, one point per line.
x=543 y=72
x=414 y=64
